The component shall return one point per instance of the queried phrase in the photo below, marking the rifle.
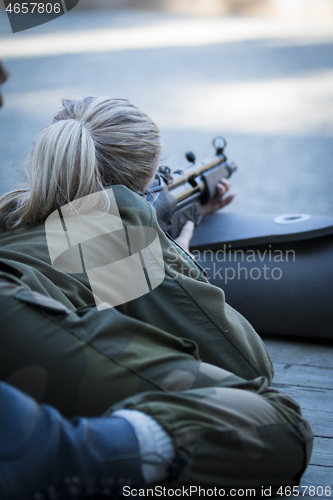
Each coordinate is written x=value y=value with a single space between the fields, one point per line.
x=185 y=191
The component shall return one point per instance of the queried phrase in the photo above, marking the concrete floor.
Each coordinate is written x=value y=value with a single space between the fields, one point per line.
x=266 y=85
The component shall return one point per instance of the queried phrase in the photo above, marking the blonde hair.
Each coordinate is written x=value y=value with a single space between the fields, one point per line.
x=91 y=144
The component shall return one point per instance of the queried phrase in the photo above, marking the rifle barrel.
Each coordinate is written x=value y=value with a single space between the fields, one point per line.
x=193 y=172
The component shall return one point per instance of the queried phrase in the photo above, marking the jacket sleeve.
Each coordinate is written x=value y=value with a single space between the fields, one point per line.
x=43 y=452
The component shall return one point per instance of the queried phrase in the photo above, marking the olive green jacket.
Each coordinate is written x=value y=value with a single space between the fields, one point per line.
x=185 y=304
x=229 y=431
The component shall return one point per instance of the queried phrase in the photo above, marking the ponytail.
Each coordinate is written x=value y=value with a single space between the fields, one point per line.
x=91 y=144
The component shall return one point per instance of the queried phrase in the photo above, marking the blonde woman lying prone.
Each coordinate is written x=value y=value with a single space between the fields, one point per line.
x=170 y=348
x=106 y=152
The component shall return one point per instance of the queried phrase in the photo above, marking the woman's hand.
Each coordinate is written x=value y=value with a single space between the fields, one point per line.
x=218 y=201
x=185 y=236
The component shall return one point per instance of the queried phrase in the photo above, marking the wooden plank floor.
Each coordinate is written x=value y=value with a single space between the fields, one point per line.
x=304 y=370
